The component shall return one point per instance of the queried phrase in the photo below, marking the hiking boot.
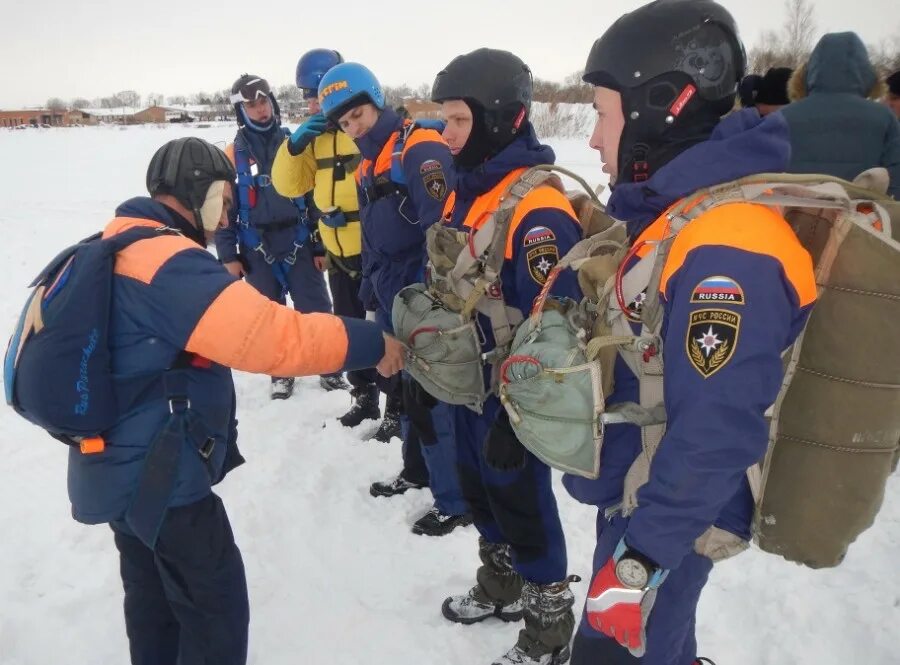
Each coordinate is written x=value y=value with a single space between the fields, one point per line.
x=474 y=607
x=436 y=523
x=365 y=406
x=390 y=426
x=518 y=656
x=282 y=387
x=497 y=593
x=398 y=485
x=330 y=382
x=549 y=624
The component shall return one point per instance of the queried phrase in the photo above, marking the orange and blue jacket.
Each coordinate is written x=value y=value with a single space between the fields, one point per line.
x=394 y=219
x=171 y=296
x=736 y=290
x=543 y=227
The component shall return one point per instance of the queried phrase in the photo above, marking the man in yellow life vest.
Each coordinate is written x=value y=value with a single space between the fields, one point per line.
x=320 y=158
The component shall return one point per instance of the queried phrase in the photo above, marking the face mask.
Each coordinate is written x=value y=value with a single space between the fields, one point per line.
x=211 y=210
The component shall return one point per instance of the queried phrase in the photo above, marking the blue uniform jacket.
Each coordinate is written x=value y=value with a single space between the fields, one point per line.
x=538 y=239
x=736 y=292
x=393 y=226
x=169 y=295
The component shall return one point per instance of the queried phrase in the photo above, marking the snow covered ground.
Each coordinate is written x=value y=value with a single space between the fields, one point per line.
x=336 y=576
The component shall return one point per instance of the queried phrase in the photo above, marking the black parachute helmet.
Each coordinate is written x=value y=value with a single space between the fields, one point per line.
x=497 y=86
x=677 y=65
x=185 y=168
x=247 y=88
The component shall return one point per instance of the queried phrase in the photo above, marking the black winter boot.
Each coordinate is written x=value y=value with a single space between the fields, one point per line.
x=390 y=426
x=282 y=387
x=365 y=406
x=436 y=523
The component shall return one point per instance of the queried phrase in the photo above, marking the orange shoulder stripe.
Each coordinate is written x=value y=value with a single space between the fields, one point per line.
x=449 y=204
x=421 y=136
x=247 y=331
x=545 y=196
x=751 y=228
x=143 y=259
x=229 y=152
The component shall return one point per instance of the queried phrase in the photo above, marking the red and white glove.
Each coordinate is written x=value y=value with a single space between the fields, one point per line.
x=618 y=611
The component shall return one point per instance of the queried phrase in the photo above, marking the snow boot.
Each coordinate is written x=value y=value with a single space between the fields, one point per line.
x=365 y=406
x=330 y=382
x=436 y=523
x=498 y=592
x=282 y=387
x=549 y=624
x=390 y=425
x=393 y=487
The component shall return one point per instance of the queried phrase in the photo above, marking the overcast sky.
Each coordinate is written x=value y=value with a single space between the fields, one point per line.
x=61 y=48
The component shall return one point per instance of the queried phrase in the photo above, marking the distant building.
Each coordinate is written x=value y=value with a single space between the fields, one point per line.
x=33 y=118
x=419 y=108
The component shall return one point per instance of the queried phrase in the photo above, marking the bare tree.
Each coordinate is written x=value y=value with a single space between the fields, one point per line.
x=57 y=104
x=81 y=103
x=155 y=99
x=177 y=100
x=799 y=30
x=129 y=98
x=789 y=47
x=885 y=56
x=394 y=95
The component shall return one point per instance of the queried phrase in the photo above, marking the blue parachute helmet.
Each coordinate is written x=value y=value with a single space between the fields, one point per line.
x=346 y=86
x=312 y=67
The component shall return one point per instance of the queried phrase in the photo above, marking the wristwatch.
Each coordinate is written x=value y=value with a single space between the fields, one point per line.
x=636 y=571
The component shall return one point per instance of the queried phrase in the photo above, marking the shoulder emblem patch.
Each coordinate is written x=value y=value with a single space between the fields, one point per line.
x=541 y=261
x=537 y=235
x=718 y=289
x=712 y=337
x=433 y=178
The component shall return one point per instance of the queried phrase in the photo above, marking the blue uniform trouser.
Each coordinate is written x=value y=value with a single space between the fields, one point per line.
x=515 y=507
x=670 y=627
x=440 y=458
x=186 y=599
x=306 y=285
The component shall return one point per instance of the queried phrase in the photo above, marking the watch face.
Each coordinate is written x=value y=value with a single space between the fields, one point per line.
x=632 y=573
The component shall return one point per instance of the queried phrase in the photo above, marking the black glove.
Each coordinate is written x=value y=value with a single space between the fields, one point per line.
x=418 y=404
x=502 y=449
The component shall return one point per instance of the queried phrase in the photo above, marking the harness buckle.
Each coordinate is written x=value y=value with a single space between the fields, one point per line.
x=206 y=450
x=179 y=404
x=263 y=180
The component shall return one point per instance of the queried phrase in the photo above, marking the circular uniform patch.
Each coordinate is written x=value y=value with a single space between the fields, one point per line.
x=712 y=337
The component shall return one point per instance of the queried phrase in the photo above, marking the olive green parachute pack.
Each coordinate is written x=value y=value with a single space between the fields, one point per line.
x=835 y=426
x=438 y=321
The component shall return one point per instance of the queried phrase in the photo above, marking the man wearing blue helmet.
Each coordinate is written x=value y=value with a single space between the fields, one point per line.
x=321 y=159
x=268 y=238
x=403 y=181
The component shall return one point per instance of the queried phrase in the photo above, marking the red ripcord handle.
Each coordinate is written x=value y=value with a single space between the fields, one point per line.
x=538 y=306
x=531 y=360
x=420 y=331
x=620 y=274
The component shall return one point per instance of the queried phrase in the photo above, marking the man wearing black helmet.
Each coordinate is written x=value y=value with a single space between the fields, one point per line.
x=736 y=287
x=486 y=98
x=178 y=323
x=271 y=239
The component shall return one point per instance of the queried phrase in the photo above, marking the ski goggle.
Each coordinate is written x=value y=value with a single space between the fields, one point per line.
x=250 y=91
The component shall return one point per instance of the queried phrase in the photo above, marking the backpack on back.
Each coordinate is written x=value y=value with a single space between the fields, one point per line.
x=835 y=426
x=57 y=370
